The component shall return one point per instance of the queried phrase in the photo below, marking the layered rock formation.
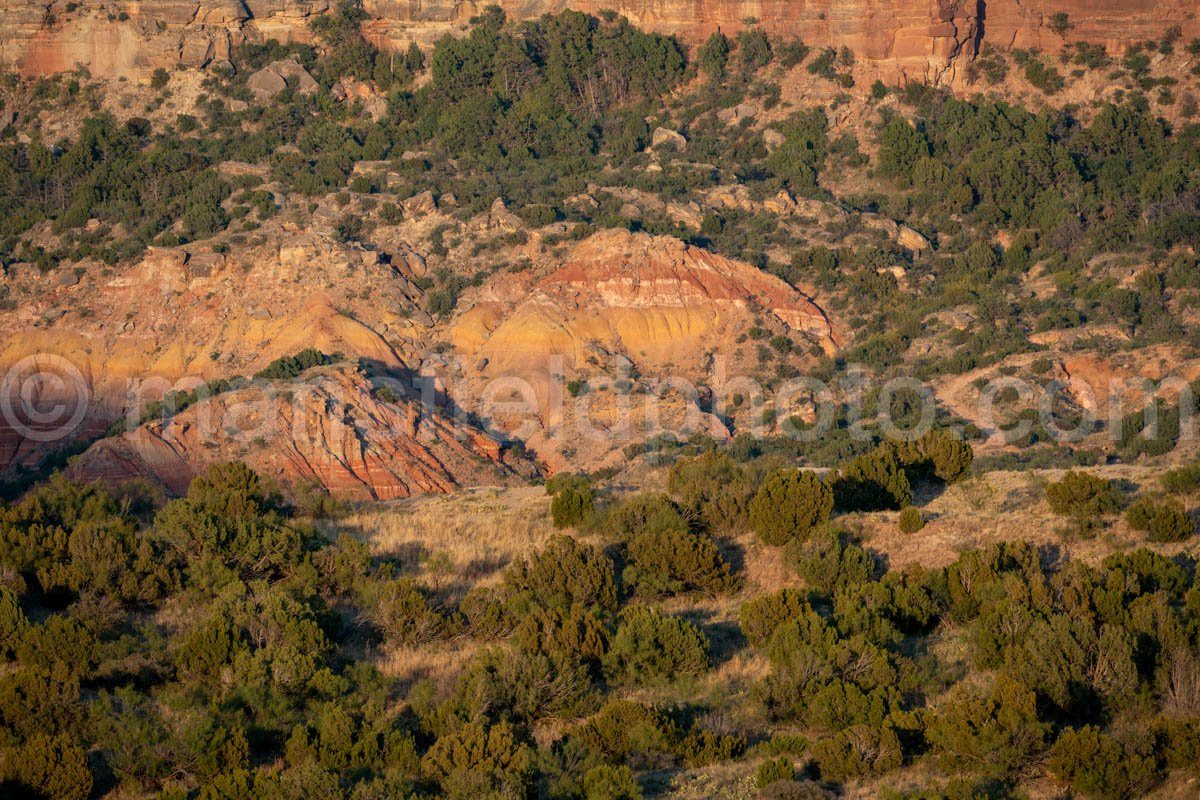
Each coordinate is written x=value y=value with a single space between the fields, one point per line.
x=903 y=39
x=84 y=354
x=620 y=309
x=330 y=429
x=655 y=299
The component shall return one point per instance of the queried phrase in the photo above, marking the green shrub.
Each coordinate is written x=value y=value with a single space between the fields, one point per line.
x=649 y=647
x=49 y=766
x=828 y=562
x=604 y=782
x=645 y=512
x=404 y=615
x=61 y=642
x=480 y=761
x=563 y=574
x=857 y=751
x=287 y=368
x=1167 y=521
x=487 y=612
x=572 y=635
x=1182 y=480
x=761 y=616
x=713 y=488
x=775 y=769
x=1100 y=766
x=13 y=623
x=571 y=507
x=911 y=520
x=947 y=458
x=629 y=732
x=995 y=734
x=1083 y=496
x=789 y=504
x=875 y=481
x=671 y=562
x=703 y=747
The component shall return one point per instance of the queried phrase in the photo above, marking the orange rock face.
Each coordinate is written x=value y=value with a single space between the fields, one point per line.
x=177 y=320
x=329 y=429
x=654 y=298
x=619 y=304
x=903 y=39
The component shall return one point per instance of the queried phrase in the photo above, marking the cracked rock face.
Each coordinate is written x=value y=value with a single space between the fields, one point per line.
x=901 y=39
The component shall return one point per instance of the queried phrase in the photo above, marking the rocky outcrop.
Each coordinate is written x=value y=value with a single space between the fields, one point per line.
x=277 y=76
x=653 y=297
x=81 y=356
x=620 y=308
x=329 y=428
x=903 y=39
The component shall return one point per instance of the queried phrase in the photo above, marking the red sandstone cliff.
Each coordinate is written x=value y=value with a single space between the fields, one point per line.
x=913 y=39
x=330 y=428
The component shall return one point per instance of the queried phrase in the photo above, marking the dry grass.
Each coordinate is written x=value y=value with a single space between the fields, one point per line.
x=1005 y=506
x=479 y=531
x=439 y=663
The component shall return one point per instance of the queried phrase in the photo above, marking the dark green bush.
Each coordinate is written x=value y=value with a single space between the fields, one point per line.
x=563 y=574
x=875 y=481
x=649 y=647
x=1165 y=521
x=911 y=520
x=788 y=505
x=828 y=562
x=571 y=507
x=480 y=761
x=772 y=770
x=760 y=617
x=403 y=613
x=1100 y=766
x=1082 y=495
x=48 y=766
x=713 y=488
x=994 y=734
x=671 y=562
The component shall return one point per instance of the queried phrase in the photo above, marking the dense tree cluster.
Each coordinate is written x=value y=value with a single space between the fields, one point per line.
x=261 y=688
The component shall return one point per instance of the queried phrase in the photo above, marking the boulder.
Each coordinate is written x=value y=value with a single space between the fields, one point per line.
x=276 y=76
x=669 y=138
x=419 y=204
x=732 y=116
x=266 y=83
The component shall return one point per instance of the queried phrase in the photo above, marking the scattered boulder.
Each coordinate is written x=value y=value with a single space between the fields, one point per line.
x=902 y=235
x=732 y=116
x=7 y=118
x=772 y=139
x=275 y=77
x=732 y=196
x=582 y=202
x=500 y=218
x=690 y=215
x=67 y=278
x=408 y=262
x=823 y=213
x=782 y=204
x=669 y=138
x=419 y=204
x=266 y=83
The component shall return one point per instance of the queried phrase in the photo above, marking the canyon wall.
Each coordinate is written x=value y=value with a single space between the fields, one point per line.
x=898 y=39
